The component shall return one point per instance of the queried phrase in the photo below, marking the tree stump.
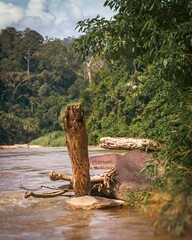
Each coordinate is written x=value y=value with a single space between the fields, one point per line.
x=77 y=144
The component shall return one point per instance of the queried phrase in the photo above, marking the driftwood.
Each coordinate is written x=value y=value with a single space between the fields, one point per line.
x=59 y=191
x=129 y=143
x=123 y=176
x=44 y=195
x=55 y=176
x=100 y=185
x=116 y=182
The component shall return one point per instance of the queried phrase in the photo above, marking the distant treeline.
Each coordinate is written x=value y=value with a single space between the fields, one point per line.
x=38 y=77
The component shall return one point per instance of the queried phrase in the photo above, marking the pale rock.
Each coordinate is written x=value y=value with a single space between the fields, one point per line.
x=89 y=202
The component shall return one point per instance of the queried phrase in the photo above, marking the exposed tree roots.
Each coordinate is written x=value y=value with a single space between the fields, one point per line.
x=100 y=185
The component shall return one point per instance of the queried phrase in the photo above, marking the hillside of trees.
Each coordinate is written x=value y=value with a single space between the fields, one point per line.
x=37 y=79
x=131 y=73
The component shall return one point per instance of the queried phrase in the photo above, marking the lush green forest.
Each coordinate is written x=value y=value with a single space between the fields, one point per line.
x=132 y=75
x=37 y=79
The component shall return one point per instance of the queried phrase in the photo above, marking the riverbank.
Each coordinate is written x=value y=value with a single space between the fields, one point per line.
x=18 y=146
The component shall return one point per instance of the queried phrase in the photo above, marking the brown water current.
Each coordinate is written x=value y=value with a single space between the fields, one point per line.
x=48 y=218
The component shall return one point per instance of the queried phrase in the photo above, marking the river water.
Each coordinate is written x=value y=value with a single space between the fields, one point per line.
x=34 y=218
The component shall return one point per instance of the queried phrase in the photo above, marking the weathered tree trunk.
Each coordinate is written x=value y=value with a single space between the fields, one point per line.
x=77 y=144
x=127 y=143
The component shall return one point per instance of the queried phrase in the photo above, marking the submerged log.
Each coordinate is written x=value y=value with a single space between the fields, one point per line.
x=129 y=143
x=77 y=144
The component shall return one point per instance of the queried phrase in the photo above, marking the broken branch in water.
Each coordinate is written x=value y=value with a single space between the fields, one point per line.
x=44 y=195
x=55 y=176
x=100 y=184
x=61 y=190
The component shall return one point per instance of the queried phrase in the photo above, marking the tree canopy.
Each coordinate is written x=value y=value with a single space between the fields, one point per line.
x=35 y=77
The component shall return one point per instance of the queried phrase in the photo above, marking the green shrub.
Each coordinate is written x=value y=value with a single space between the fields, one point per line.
x=53 y=139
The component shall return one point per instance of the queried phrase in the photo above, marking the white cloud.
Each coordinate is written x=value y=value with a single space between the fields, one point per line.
x=91 y=8
x=53 y=18
x=10 y=14
x=64 y=10
x=38 y=8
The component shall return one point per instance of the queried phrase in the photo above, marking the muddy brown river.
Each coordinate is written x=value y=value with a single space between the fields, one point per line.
x=47 y=218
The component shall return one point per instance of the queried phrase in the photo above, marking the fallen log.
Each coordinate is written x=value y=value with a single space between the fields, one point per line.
x=55 y=176
x=127 y=143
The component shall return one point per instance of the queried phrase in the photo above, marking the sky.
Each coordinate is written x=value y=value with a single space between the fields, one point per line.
x=52 y=18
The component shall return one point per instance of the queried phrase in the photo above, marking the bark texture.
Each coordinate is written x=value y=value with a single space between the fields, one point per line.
x=77 y=144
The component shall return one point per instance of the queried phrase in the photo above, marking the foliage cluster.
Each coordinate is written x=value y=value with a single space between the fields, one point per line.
x=151 y=42
x=52 y=139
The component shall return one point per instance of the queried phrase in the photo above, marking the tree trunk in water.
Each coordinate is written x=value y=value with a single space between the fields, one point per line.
x=77 y=144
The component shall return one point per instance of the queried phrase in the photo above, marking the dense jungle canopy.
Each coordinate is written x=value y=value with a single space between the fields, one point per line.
x=133 y=78
x=37 y=79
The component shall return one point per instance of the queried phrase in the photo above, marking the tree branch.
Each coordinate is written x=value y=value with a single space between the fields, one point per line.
x=44 y=195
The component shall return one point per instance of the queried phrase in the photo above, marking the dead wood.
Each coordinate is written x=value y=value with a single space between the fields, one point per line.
x=105 y=188
x=129 y=143
x=55 y=176
x=122 y=177
x=60 y=191
x=100 y=185
x=44 y=195
x=114 y=183
x=77 y=144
